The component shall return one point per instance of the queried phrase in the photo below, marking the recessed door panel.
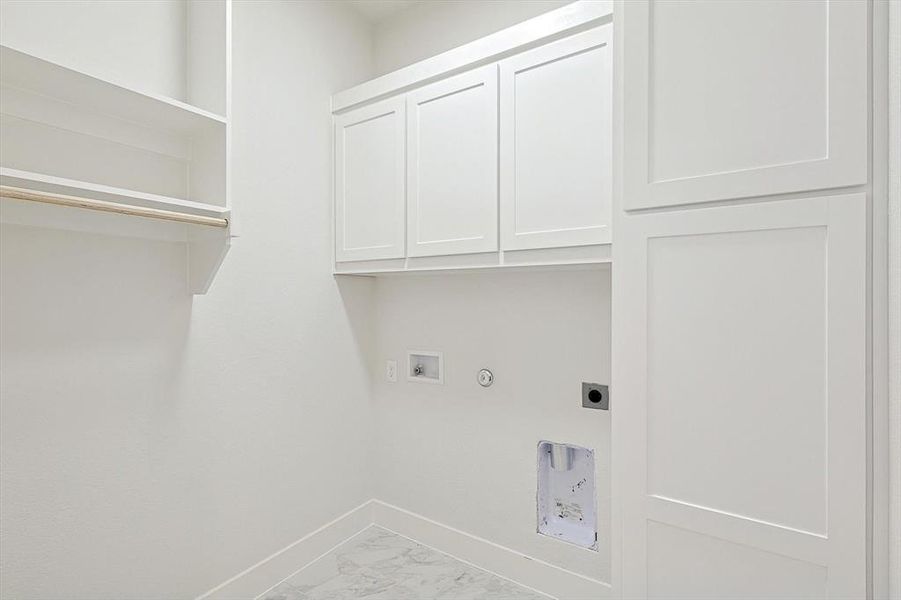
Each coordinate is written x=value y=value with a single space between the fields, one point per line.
x=744 y=98
x=452 y=165
x=751 y=308
x=556 y=144
x=369 y=182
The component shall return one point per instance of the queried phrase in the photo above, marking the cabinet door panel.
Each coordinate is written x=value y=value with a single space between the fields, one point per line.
x=740 y=356
x=369 y=182
x=556 y=144
x=452 y=165
x=746 y=98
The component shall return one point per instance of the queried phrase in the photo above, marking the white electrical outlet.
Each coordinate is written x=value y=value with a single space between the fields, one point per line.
x=391 y=371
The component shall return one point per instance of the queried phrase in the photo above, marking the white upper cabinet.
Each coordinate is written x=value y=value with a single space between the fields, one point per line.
x=452 y=165
x=738 y=99
x=497 y=153
x=369 y=182
x=556 y=143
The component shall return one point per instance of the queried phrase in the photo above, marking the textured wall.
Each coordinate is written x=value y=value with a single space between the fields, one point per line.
x=464 y=455
x=434 y=26
x=139 y=43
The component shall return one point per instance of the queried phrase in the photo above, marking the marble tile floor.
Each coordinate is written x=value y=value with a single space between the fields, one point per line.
x=379 y=565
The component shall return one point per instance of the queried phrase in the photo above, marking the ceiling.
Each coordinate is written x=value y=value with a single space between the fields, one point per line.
x=376 y=10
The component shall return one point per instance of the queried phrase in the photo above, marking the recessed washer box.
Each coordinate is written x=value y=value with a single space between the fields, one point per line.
x=567 y=498
x=425 y=366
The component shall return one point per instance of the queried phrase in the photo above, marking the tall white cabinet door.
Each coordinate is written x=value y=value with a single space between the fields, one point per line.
x=452 y=165
x=740 y=369
x=556 y=161
x=742 y=98
x=369 y=182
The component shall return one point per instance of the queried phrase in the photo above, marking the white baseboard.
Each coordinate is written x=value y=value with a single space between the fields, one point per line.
x=508 y=563
x=259 y=578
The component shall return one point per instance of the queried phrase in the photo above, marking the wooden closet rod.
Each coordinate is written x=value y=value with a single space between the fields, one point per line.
x=111 y=207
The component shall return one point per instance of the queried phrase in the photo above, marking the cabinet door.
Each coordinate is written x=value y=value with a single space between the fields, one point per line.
x=452 y=165
x=745 y=98
x=556 y=144
x=369 y=182
x=740 y=365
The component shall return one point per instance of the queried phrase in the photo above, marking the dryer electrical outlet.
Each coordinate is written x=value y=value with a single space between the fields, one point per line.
x=567 y=500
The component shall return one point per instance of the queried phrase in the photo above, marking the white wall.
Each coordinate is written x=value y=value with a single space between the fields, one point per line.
x=153 y=445
x=434 y=26
x=139 y=43
x=464 y=455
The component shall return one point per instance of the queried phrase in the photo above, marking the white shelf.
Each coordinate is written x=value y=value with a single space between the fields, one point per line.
x=28 y=72
x=205 y=246
x=71 y=187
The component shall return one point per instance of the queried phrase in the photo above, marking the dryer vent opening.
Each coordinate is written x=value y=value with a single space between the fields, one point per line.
x=567 y=499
